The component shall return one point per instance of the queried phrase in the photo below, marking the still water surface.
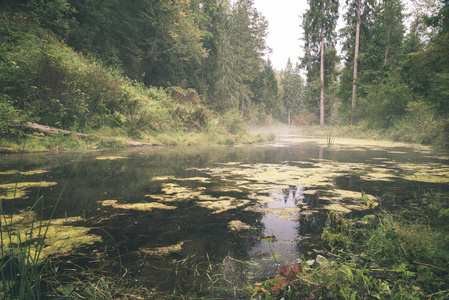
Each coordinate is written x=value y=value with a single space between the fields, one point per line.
x=167 y=216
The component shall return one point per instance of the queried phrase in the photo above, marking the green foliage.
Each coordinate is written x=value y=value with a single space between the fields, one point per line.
x=265 y=90
x=240 y=66
x=53 y=14
x=419 y=125
x=233 y=122
x=8 y=114
x=388 y=255
x=385 y=102
x=330 y=139
x=21 y=250
x=293 y=85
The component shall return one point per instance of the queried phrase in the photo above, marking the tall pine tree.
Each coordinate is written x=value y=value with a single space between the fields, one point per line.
x=319 y=23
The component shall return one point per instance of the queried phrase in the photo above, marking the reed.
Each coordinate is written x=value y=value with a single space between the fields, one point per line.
x=330 y=139
x=22 y=240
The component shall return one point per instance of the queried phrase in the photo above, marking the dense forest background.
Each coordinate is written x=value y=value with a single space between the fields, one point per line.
x=86 y=64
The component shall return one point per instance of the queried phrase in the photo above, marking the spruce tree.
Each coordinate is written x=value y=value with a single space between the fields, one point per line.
x=319 y=23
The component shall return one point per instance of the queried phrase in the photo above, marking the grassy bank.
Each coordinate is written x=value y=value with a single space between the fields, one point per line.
x=433 y=133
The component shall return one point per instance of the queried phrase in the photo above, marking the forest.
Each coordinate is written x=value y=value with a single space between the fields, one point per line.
x=301 y=217
x=86 y=65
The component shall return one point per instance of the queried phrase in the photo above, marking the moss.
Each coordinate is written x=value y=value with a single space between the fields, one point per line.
x=262 y=198
x=337 y=207
x=237 y=225
x=432 y=173
x=373 y=145
x=199 y=179
x=163 y=178
x=221 y=204
x=284 y=212
x=174 y=192
x=317 y=179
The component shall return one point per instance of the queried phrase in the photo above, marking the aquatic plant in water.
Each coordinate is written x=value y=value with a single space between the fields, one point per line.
x=137 y=206
x=27 y=242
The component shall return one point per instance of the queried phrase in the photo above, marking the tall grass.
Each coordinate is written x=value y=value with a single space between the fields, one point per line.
x=22 y=240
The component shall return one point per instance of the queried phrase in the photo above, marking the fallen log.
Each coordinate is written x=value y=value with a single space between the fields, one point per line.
x=49 y=130
x=52 y=131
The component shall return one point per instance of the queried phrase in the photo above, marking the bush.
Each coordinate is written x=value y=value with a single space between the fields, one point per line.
x=304 y=119
x=419 y=125
x=390 y=255
x=8 y=114
x=385 y=103
x=233 y=122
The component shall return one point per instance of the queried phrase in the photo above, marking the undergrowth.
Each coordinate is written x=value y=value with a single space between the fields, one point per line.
x=383 y=255
x=45 y=82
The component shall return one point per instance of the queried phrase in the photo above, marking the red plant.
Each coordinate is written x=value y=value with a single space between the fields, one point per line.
x=286 y=275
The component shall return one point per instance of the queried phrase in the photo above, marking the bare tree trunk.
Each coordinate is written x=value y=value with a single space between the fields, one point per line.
x=356 y=56
x=322 y=79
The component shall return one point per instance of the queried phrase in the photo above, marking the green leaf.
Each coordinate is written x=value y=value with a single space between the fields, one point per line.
x=66 y=289
x=443 y=213
x=347 y=270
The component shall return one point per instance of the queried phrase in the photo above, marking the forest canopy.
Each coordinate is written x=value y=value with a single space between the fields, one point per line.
x=391 y=75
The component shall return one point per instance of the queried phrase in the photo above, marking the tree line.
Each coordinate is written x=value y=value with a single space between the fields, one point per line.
x=388 y=75
x=215 y=47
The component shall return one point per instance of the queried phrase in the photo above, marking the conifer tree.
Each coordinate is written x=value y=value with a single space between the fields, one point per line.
x=319 y=23
x=292 y=83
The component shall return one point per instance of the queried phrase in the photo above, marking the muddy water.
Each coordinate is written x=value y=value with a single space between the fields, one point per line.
x=191 y=219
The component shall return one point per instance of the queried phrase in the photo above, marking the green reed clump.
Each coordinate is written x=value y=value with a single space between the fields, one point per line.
x=386 y=255
x=20 y=253
x=330 y=139
x=22 y=265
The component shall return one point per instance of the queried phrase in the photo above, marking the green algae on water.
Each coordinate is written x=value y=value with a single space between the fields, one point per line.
x=163 y=251
x=25 y=173
x=60 y=238
x=237 y=225
x=18 y=190
x=137 y=206
x=110 y=157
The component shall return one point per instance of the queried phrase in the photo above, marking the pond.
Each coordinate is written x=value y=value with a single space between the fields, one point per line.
x=207 y=220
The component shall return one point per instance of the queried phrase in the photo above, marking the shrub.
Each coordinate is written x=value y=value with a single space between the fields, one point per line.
x=385 y=102
x=8 y=114
x=304 y=119
x=419 y=125
x=233 y=122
